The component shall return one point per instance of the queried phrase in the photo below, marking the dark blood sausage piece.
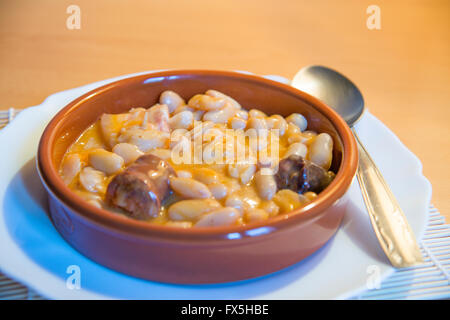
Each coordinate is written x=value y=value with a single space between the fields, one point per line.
x=300 y=175
x=140 y=189
x=314 y=178
x=287 y=176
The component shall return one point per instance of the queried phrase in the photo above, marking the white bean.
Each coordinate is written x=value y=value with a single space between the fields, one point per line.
x=70 y=167
x=205 y=175
x=235 y=201
x=218 y=94
x=183 y=107
x=265 y=184
x=220 y=116
x=293 y=133
x=218 y=190
x=288 y=200
x=310 y=195
x=92 y=180
x=191 y=210
x=171 y=99
x=255 y=113
x=247 y=174
x=321 y=150
x=242 y=171
x=299 y=120
x=200 y=128
x=243 y=114
x=219 y=217
x=129 y=152
x=298 y=149
x=256 y=215
x=292 y=129
x=182 y=120
x=212 y=151
x=257 y=123
x=184 y=174
x=105 y=161
x=180 y=150
x=145 y=140
x=198 y=114
x=206 y=103
x=213 y=135
x=270 y=207
x=277 y=122
x=308 y=135
x=237 y=123
x=232 y=185
x=179 y=136
x=233 y=171
x=258 y=142
x=190 y=188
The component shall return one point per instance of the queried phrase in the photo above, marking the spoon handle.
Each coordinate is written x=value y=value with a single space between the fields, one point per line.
x=389 y=223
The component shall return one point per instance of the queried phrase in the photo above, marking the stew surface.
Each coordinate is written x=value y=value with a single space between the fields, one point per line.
x=207 y=162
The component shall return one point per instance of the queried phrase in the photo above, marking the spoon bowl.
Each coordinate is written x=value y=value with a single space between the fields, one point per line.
x=334 y=89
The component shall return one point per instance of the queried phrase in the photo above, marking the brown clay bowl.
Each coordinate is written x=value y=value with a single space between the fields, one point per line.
x=196 y=255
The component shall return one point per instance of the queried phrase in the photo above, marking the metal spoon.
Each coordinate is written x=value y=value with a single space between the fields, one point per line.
x=389 y=223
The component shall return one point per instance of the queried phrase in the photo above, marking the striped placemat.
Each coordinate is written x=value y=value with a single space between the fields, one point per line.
x=431 y=280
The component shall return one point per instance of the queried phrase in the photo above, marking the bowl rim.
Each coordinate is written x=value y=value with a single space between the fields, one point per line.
x=106 y=219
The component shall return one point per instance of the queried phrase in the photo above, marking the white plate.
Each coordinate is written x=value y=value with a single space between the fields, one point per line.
x=33 y=252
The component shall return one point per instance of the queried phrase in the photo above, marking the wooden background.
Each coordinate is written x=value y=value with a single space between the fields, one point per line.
x=403 y=69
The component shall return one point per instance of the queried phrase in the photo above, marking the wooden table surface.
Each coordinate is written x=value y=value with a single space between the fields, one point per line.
x=402 y=69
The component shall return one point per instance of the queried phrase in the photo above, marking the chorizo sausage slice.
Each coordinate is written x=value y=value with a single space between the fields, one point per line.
x=300 y=175
x=140 y=189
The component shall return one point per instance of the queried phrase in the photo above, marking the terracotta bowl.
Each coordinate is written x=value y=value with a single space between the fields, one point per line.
x=196 y=255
